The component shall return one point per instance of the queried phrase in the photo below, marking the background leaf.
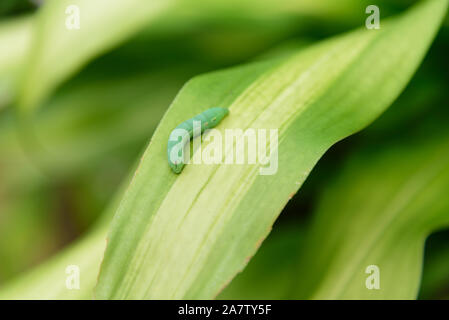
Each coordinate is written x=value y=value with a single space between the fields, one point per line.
x=58 y=51
x=94 y=126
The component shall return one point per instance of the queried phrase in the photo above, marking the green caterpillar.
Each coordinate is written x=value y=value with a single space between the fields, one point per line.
x=209 y=119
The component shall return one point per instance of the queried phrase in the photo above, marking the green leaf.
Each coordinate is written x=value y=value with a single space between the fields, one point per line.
x=48 y=281
x=58 y=51
x=269 y=274
x=344 y=223
x=379 y=212
x=15 y=36
x=186 y=236
x=435 y=268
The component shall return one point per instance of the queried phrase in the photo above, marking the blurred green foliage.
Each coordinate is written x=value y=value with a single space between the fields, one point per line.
x=57 y=179
x=15 y=7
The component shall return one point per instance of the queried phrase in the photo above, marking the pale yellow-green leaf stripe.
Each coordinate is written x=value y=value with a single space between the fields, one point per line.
x=187 y=236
